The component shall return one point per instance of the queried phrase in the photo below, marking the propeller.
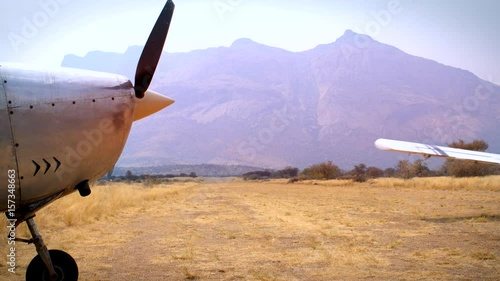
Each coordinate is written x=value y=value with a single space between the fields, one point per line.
x=152 y=51
x=149 y=102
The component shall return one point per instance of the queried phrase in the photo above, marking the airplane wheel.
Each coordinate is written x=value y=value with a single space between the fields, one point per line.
x=64 y=265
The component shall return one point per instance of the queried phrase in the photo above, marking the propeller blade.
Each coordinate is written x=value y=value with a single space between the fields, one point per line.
x=152 y=51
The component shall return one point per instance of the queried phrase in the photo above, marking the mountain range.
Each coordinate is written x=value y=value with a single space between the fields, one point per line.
x=252 y=104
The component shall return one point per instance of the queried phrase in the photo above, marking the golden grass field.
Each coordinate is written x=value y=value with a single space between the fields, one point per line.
x=384 y=229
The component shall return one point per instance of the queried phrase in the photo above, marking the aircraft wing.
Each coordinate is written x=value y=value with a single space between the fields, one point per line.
x=439 y=151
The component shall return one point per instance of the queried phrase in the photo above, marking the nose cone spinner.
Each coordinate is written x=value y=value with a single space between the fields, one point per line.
x=151 y=103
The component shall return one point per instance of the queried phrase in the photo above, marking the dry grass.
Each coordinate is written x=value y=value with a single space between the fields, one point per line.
x=60 y=223
x=384 y=229
x=104 y=202
x=490 y=183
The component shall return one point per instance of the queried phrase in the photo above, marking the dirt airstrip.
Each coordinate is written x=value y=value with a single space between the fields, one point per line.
x=239 y=230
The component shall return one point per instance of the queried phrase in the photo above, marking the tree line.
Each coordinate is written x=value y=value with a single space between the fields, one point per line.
x=403 y=169
x=130 y=177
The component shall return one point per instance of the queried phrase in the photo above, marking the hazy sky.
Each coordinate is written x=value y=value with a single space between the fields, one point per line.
x=460 y=33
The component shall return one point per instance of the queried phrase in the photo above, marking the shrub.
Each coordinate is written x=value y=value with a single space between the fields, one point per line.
x=389 y=172
x=257 y=175
x=404 y=169
x=463 y=168
x=322 y=171
x=420 y=169
x=359 y=173
x=374 y=172
x=288 y=172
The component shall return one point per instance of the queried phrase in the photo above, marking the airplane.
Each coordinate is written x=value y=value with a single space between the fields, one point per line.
x=63 y=129
x=428 y=150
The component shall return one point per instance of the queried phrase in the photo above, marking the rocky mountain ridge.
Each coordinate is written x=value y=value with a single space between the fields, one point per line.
x=251 y=104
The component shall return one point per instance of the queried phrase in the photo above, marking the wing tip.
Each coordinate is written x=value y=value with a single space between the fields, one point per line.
x=381 y=144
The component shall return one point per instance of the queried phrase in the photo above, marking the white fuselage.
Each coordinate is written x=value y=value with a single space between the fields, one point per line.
x=59 y=128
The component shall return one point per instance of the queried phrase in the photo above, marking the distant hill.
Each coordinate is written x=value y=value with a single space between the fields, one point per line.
x=251 y=104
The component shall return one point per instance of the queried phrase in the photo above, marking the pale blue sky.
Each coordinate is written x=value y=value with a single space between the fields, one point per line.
x=460 y=33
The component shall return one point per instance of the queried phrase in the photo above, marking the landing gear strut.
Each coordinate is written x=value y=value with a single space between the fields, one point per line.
x=53 y=265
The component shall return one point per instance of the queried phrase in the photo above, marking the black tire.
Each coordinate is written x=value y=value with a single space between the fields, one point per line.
x=63 y=263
